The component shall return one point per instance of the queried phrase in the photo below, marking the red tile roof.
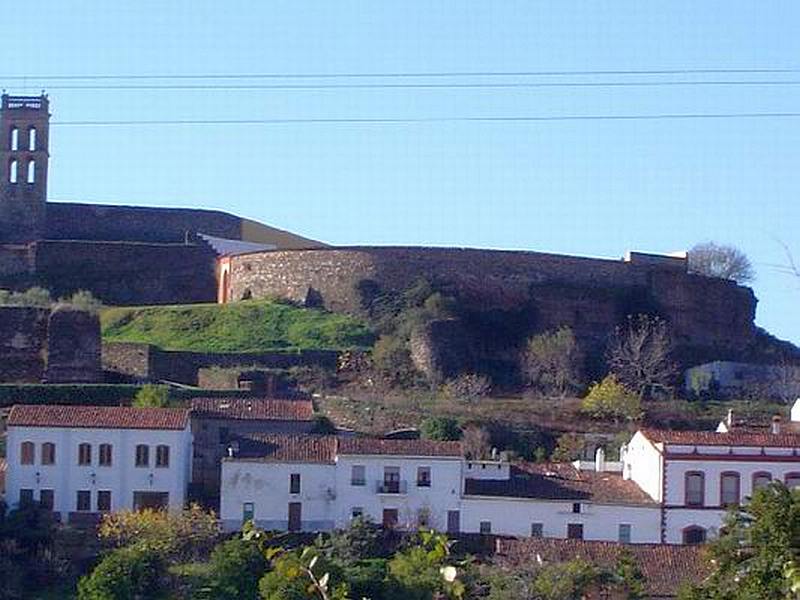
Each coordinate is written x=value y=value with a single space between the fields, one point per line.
x=665 y=567
x=560 y=481
x=734 y=438
x=286 y=448
x=366 y=445
x=97 y=417
x=267 y=409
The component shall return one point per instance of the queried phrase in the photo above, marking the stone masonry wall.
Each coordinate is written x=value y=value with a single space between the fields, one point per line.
x=23 y=344
x=128 y=273
x=73 y=347
x=710 y=316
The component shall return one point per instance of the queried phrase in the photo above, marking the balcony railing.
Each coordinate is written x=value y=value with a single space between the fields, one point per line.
x=391 y=487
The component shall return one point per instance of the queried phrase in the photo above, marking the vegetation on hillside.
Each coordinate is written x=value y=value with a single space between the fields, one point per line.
x=248 y=326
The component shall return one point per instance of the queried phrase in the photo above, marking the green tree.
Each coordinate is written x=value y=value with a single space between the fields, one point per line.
x=567 y=581
x=152 y=396
x=552 y=362
x=440 y=428
x=425 y=569
x=129 y=573
x=303 y=575
x=758 y=547
x=236 y=566
x=610 y=399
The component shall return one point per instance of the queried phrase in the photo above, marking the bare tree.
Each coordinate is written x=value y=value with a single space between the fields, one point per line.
x=721 y=261
x=475 y=442
x=552 y=362
x=639 y=354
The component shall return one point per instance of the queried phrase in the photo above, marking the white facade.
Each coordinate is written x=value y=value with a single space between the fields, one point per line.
x=65 y=477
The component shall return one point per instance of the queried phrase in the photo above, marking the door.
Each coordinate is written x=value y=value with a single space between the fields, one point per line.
x=453 y=522
x=295 y=516
x=389 y=518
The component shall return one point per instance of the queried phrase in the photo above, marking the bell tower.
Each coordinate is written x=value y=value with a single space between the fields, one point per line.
x=24 y=127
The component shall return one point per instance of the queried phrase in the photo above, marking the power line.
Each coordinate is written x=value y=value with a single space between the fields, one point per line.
x=422 y=120
x=39 y=78
x=327 y=86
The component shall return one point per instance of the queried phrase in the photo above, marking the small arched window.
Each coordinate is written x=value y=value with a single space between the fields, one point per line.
x=84 y=454
x=162 y=456
x=792 y=481
x=142 y=455
x=26 y=453
x=729 y=488
x=695 y=488
x=48 y=453
x=31 y=171
x=32 y=139
x=760 y=480
x=13 y=139
x=12 y=171
x=694 y=535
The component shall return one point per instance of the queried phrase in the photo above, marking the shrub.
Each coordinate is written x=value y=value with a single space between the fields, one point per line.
x=468 y=387
x=125 y=574
x=236 y=567
x=392 y=361
x=552 y=362
x=440 y=428
x=152 y=396
x=83 y=300
x=34 y=296
x=610 y=399
x=570 y=446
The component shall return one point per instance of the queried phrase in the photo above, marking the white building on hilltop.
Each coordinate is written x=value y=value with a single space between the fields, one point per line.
x=318 y=483
x=695 y=476
x=81 y=461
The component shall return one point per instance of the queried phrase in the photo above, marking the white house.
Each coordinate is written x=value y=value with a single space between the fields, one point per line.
x=84 y=460
x=695 y=476
x=317 y=483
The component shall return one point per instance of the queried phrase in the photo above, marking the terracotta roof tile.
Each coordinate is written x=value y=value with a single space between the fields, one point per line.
x=286 y=448
x=665 y=567
x=269 y=409
x=366 y=445
x=560 y=481
x=97 y=417
x=734 y=438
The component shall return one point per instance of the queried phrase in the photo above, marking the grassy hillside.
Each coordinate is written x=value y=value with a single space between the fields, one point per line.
x=250 y=326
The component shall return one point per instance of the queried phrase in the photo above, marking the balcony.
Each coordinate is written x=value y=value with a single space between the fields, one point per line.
x=391 y=487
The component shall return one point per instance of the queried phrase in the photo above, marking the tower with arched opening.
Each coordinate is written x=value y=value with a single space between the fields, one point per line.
x=24 y=126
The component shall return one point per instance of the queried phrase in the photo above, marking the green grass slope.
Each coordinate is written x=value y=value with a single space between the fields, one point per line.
x=250 y=326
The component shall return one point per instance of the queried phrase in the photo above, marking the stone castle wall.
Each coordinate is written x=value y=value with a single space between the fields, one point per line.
x=23 y=344
x=708 y=316
x=121 y=273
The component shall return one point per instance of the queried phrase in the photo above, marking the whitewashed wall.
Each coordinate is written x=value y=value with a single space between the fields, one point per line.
x=122 y=478
x=514 y=516
x=643 y=464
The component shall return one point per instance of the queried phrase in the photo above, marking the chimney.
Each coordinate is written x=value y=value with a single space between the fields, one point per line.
x=729 y=419
x=776 y=424
x=600 y=460
x=796 y=410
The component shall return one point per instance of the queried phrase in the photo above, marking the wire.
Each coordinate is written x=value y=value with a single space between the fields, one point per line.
x=325 y=86
x=400 y=121
x=34 y=78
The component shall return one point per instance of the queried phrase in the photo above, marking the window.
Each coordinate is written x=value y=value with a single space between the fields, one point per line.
x=12 y=171
x=104 y=455
x=624 y=533
x=424 y=518
x=390 y=518
x=695 y=483
x=13 y=142
x=32 y=139
x=574 y=531
x=31 y=176
x=84 y=454
x=391 y=480
x=729 y=489
x=26 y=453
x=486 y=527
x=423 y=477
x=294 y=483
x=576 y=508
x=792 y=480
x=48 y=453
x=162 y=456
x=356 y=512
x=537 y=530
x=84 y=502
x=224 y=435
x=248 y=511
x=46 y=499
x=103 y=500
x=142 y=456
x=358 y=475
x=694 y=535
x=25 y=497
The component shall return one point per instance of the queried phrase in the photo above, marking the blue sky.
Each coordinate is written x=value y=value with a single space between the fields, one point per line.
x=583 y=187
